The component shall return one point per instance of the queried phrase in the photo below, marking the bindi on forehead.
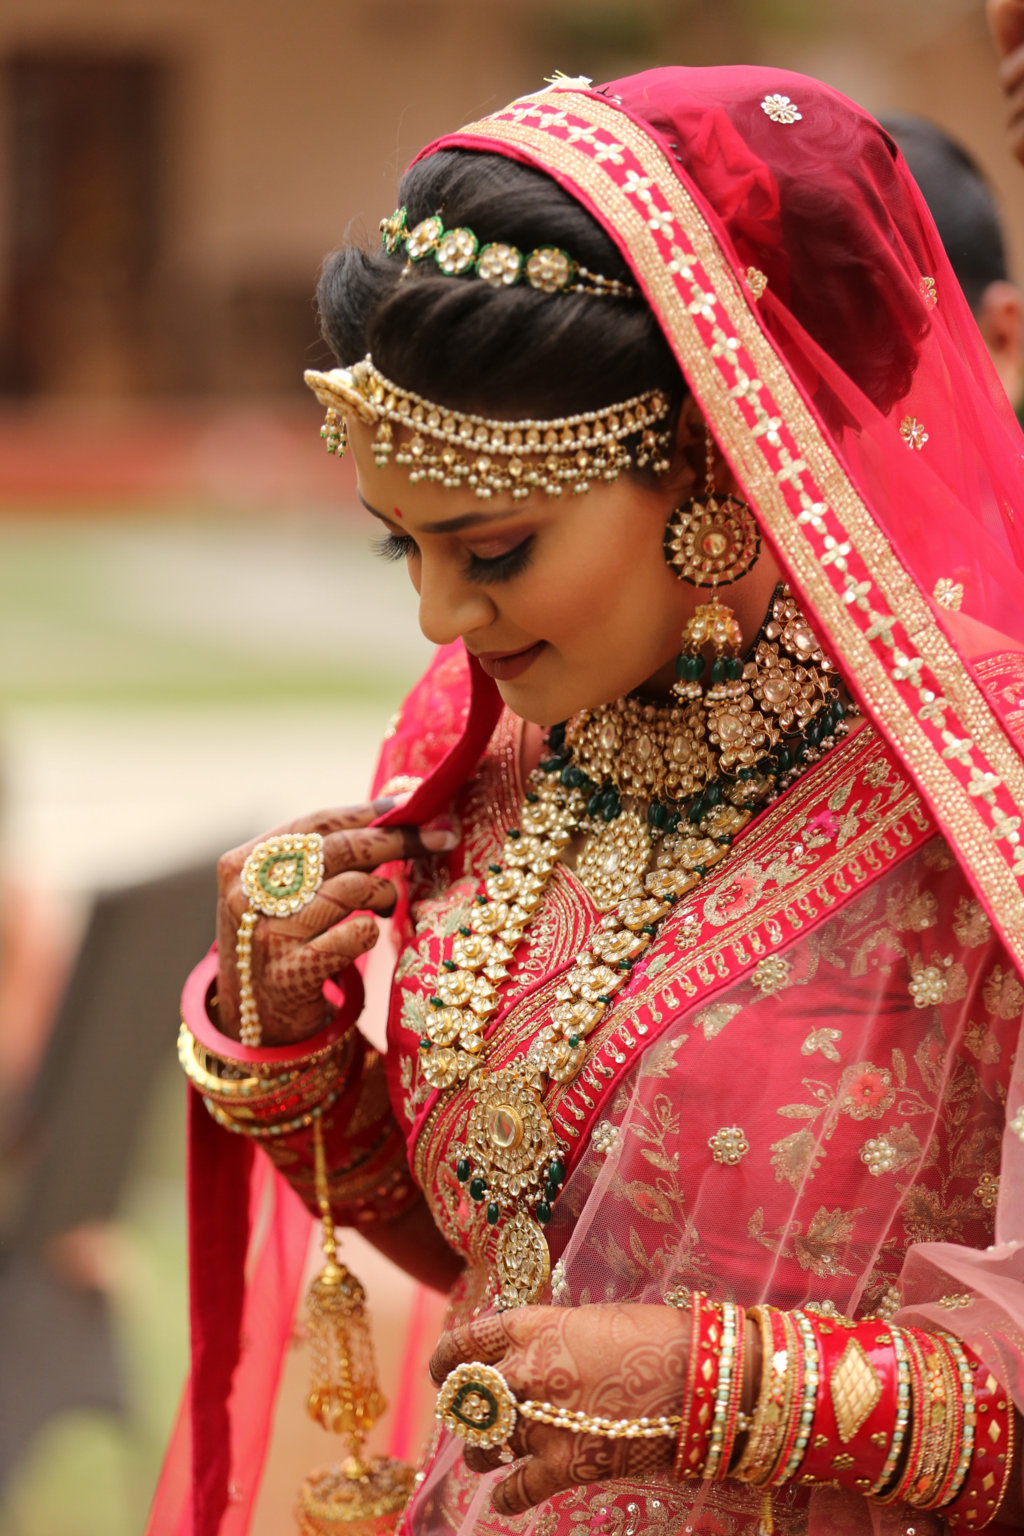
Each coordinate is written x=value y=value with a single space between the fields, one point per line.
x=396 y=513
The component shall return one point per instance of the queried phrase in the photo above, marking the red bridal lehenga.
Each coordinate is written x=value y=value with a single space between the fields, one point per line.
x=810 y=1092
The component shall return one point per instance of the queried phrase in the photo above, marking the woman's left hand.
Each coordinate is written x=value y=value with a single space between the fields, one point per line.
x=617 y=1361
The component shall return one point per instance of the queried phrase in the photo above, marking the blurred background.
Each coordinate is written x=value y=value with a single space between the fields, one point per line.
x=197 y=642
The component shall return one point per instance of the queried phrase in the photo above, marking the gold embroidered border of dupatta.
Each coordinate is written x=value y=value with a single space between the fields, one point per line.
x=882 y=822
x=974 y=814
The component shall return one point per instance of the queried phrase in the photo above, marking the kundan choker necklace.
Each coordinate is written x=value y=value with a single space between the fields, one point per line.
x=648 y=783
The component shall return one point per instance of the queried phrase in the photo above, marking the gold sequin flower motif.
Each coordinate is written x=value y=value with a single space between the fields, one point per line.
x=987 y=1190
x=780 y=109
x=948 y=593
x=604 y=1137
x=928 y=292
x=728 y=1145
x=770 y=975
x=913 y=433
x=756 y=282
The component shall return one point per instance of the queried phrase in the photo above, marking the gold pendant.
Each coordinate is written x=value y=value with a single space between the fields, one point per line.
x=522 y=1261
x=508 y=1134
x=615 y=858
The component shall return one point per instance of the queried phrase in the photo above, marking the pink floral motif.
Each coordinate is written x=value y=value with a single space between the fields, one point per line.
x=865 y=1091
x=824 y=824
x=738 y=898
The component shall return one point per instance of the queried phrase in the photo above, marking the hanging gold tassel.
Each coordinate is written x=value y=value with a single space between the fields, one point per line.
x=362 y=1496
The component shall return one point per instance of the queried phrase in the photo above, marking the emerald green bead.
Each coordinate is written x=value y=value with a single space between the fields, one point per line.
x=466 y=932
x=462 y=1169
x=574 y=1041
x=436 y=1002
x=550 y=1192
x=718 y=670
x=657 y=815
x=611 y=806
x=712 y=794
x=449 y=965
x=543 y=1212
x=556 y=1172
x=492 y=1214
x=478 y=1188
x=495 y=869
x=733 y=668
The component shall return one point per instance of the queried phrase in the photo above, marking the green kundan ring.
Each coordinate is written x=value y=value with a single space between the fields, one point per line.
x=477 y=1404
x=282 y=874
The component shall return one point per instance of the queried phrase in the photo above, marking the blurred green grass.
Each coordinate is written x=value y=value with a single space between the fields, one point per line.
x=197 y=606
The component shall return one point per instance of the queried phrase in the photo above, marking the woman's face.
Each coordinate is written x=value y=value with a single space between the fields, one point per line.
x=567 y=602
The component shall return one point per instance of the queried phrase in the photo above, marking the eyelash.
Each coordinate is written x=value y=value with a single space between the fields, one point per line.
x=396 y=546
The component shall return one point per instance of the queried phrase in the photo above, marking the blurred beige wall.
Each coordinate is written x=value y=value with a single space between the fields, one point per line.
x=280 y=122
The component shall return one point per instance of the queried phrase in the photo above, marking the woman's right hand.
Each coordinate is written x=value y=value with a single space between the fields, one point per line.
x=293 y=956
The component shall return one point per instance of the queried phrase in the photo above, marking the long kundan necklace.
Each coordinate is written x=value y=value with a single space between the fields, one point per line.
x=660 y=791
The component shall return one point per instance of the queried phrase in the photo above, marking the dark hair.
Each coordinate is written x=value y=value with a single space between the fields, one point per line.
x=960 y=202
x=501 y=352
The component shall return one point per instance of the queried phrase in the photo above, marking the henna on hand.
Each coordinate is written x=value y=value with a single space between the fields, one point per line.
x=293 y=956
x=617 y=1361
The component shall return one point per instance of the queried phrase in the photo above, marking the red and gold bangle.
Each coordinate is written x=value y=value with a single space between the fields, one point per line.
x=989 y=1474
x=792 y=1396
x=764 y=1439
x=903 y=1414
x=908 y=1474
x=944 y=1415
x=701 y=1382
x=964 y=1449
x=856 y=1404
x=728 y=1398
x=804 y=1403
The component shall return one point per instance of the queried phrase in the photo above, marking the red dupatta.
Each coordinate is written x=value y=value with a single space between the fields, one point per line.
x=854 y=399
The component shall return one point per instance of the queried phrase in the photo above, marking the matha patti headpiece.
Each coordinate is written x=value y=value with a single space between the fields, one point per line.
x=458 y=253
x=492 y=456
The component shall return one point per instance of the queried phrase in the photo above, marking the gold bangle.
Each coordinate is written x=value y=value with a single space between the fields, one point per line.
x=764 y=1438
x=302 y=1084
x=259 y=1132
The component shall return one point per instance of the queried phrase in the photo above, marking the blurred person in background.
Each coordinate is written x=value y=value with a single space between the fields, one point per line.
x=704 y=1096
x=967 y=218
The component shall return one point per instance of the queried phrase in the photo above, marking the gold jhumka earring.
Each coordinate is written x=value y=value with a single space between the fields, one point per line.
x=711 y=541
x=363 y=1496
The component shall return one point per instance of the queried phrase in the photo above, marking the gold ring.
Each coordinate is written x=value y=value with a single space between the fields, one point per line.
x=280 y=877
x=476 y=1403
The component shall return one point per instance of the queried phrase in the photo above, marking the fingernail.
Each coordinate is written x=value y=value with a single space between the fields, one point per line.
x=384 y=803
x=437 y=840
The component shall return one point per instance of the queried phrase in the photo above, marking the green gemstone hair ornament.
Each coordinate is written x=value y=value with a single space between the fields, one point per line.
x=457 y=253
